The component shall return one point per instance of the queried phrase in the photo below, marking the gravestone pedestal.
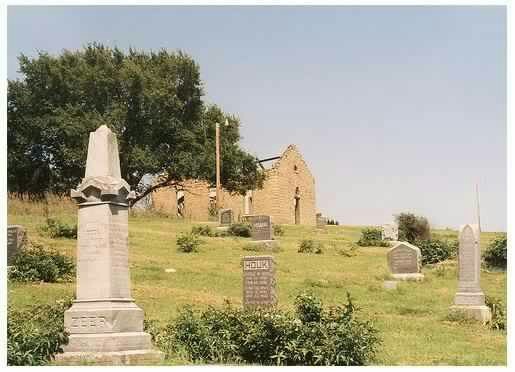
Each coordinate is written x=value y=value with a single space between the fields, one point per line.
x=104 y=323
x=469 y=298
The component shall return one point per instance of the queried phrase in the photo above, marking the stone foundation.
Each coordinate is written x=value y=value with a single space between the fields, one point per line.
x=481 y=313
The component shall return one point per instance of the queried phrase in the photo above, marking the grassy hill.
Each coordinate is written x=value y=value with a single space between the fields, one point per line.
x=411 y=319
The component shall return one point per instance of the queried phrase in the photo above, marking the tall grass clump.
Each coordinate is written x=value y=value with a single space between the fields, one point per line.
x=36 y=334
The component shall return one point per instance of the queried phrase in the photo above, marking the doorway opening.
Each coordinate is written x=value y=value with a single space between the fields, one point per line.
x=297 y=206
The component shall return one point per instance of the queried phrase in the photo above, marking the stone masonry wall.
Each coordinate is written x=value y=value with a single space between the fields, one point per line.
x=276 y=198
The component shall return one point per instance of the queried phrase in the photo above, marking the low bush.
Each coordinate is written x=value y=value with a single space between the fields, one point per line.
x=188 y=242
x=262 y=247
x=310 y=246
x=497 y=252
x=412 y=227
x=240 y=229
x=372 y=237
x=59 y=229
x=435 y=250
x=278 y=230
x=36 y=263
x=498 y=310
x=311 y=335
x=36 y=334
x=204 y=230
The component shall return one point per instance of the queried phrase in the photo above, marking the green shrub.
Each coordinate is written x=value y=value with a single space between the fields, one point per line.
x=372 y=237
x=435 y=250
x=496 y=254
x=498 y=310
x=240 y=229
x=308 y=307
x=278 y=230
x=36 y=334
x=204 y=230
x=35 y=263
x=412 y=227
x=310 y=246
x=188 y=242
x=58 y=229
x=261 y=247
x=311 y=335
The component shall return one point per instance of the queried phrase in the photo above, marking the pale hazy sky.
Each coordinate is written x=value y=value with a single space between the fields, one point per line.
x=394 y=108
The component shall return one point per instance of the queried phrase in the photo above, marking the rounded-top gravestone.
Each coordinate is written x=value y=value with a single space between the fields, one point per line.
x=404 y=261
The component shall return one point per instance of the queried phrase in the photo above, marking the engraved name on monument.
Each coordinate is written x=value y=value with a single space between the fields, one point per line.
x=259 y=281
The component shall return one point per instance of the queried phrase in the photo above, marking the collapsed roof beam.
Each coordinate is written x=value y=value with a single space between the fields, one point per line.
x=267 y=159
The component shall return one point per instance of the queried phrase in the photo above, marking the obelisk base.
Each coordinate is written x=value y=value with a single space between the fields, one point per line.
x=107 y=332
x=472 y=304
x=113 y=358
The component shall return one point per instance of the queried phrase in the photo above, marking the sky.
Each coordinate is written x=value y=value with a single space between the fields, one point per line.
x=395 y=109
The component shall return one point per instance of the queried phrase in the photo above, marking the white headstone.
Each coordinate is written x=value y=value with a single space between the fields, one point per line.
x=104 y=323
x=469 y=297
x=390 y=232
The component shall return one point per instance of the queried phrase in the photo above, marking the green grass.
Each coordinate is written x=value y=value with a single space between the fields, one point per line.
x=412 y=319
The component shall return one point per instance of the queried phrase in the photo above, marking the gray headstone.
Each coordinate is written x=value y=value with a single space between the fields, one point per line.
x=104 y=322
x=259 y=281
x=469 y=296
x=404 y=261
x=261 y=227
x=390 y=232
x=321 y=220
x=225 y=217
x=16 y=239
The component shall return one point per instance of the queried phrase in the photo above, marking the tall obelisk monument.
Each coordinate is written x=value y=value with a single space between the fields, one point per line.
x=104 y=323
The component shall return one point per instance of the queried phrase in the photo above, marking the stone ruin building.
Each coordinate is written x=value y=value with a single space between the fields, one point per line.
x=288 y=195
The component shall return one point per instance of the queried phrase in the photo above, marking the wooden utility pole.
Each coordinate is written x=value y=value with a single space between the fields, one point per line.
x=218 y=201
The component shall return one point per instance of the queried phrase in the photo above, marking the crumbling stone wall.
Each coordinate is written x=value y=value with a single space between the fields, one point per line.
x=287 y=178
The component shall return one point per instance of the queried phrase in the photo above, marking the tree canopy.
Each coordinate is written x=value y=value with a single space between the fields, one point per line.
x=152 y=101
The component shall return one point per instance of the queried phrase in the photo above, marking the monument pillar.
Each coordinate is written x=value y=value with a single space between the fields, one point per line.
x=104 y=323
x=469 y=297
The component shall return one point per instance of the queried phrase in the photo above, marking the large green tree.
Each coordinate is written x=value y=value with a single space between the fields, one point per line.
x=153 y=101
